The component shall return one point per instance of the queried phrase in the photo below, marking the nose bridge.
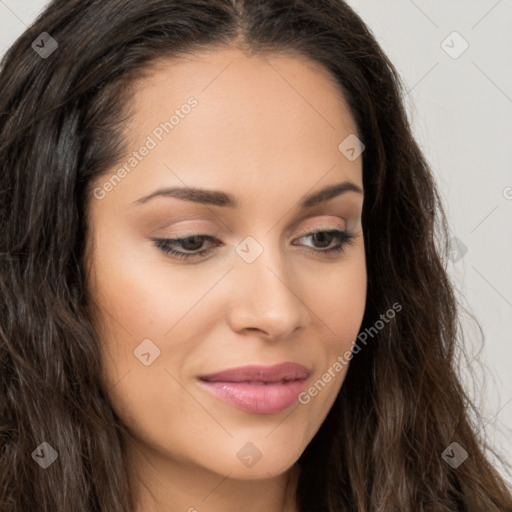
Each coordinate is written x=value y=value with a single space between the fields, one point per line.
x=265 y=297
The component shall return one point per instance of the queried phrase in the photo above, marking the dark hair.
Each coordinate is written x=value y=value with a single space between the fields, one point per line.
x=61 y=127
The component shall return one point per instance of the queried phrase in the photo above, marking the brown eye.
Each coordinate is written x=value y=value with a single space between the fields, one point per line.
x=326 y=237
x=190 y=243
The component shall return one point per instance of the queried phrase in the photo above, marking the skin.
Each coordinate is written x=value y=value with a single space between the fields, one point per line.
x=266 y=130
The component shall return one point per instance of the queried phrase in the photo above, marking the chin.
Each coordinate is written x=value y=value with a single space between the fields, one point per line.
x=258 y=460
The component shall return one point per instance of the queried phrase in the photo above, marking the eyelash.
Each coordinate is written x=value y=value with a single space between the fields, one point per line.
x=166 y=244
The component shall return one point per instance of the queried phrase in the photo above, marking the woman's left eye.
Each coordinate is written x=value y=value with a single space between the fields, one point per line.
x=195 y=243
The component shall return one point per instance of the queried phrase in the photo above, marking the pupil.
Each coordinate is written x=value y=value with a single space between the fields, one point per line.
x=191 y=239
x=324 y=237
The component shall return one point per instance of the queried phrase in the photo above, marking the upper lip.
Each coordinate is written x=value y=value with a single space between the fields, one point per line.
x=256 y=373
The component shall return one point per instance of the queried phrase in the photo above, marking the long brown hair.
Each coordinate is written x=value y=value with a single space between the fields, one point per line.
x=61 y=119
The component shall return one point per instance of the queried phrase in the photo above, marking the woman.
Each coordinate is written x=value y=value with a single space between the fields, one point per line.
x=220 y=287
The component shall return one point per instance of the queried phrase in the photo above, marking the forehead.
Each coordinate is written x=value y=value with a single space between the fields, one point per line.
x=257 y=120
x=234 y=90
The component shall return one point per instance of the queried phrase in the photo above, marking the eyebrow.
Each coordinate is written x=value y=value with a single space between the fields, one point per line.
x=219 y=198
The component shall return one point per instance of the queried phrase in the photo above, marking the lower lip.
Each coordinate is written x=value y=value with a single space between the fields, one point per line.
x=257 y=398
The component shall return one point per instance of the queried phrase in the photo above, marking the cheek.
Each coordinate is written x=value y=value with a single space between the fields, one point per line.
x=139 y=306
x=339 y=300
x=141 y=299
x=347 y=314
x=139 y=295
x=342 y=302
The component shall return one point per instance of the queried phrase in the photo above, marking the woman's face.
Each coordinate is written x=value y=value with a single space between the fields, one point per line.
x=261 y=288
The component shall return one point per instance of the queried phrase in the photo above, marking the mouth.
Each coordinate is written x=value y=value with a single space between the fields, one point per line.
x=258 y=389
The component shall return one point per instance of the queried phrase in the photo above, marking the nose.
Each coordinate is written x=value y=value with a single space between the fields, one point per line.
x=266 y=298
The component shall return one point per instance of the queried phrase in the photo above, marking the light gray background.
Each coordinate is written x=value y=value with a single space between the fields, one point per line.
x=461 y=112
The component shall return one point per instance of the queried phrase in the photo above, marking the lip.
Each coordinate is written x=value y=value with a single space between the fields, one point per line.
x=258 y=389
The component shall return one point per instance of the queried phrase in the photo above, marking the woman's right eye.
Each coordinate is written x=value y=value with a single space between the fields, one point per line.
x=167 y=245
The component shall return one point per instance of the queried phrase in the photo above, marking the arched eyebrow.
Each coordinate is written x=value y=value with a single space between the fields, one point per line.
x=219 y=198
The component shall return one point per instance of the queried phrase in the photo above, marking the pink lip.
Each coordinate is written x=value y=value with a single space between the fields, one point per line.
x=258 y=389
